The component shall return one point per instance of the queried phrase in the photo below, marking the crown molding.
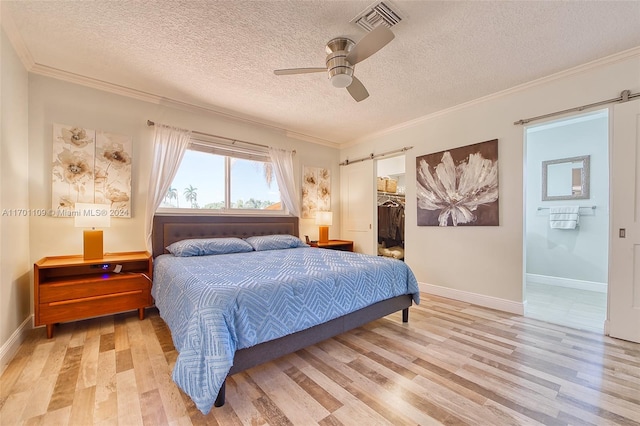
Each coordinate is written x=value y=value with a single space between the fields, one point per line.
x=169 y=102
x=608 y=60
x=312 y=139
x=15 y=38
x=94 y=83
x=187 y=106
x=32 y=67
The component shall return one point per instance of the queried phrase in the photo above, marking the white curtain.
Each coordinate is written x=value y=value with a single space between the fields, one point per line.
x=283 y=167
x=169 y=146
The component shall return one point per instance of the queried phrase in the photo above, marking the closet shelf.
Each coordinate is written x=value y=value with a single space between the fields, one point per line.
x=392 y=194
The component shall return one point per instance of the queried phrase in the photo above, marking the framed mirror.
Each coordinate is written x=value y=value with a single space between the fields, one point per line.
x=565 y=179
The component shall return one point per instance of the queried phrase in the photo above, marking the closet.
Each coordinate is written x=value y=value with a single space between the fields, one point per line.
x=391 y=202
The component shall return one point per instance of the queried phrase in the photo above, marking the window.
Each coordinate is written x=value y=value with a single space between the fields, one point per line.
x=220 y=177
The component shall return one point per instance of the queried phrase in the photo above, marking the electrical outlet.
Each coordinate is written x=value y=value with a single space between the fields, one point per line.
x=103 y=266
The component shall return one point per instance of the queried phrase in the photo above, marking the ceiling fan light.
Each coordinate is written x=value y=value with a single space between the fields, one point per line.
x=341 y=80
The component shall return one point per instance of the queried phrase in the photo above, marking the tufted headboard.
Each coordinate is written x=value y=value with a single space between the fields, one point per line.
x=169 y=229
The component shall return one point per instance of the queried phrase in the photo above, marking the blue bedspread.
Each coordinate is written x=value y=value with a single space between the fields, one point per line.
x=215 y=305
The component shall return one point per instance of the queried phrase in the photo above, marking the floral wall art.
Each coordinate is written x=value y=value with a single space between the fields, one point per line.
x=459 y=187
x=316 y=191
x=90 y=166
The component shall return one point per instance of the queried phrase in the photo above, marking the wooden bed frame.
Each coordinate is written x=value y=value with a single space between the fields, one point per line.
x=169 y=229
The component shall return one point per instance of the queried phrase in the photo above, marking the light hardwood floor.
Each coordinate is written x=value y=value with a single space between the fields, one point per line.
x=453 y=363
x=583 y=309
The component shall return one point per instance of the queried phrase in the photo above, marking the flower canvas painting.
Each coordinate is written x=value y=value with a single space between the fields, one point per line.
x=90 y=167
x=113 y=171
x=316 y=191
x=459 y=187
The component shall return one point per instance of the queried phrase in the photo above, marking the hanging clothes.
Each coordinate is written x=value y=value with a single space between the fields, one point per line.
x=391 y=222
x=391 y=226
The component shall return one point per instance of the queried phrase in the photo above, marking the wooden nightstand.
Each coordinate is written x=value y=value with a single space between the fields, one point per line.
x=344 y=245
x=69 y=288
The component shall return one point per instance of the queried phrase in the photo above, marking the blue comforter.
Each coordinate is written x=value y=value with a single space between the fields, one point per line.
x=217 y=304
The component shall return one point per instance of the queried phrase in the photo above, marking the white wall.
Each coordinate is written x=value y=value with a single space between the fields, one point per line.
x=393 y=167
x=54 y=101
x=15 y=262
x=580 y=254
x=483 y=261
x=485 y=264
x=30 y=105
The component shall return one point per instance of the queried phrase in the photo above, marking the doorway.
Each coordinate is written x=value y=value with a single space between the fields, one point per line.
x=390 y=185
x=567 y=221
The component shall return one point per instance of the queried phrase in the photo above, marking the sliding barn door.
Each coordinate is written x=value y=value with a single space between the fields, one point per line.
x=357 y=199
x=624 y=268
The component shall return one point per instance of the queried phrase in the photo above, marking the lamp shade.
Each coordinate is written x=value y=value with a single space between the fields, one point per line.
x=324 y=218
x=92 y=215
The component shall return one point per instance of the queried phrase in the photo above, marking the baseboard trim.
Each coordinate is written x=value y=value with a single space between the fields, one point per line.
x=567 y=282
x=10 y=347
x=475 y=298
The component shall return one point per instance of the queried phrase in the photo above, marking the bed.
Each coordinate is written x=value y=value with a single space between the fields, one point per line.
x=222 y=322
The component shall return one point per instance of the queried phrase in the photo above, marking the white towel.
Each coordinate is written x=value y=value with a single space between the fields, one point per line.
x=564 y=217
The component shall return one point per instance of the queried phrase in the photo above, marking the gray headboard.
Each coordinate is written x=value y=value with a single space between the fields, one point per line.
x=169 y=229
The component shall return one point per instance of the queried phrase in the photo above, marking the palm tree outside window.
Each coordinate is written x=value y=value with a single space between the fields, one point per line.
x=224 y=181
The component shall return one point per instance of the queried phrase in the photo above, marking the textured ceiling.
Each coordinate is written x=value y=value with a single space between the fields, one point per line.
x=221 y=54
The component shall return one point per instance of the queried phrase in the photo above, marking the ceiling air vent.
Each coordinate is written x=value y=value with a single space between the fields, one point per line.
x=377 y=14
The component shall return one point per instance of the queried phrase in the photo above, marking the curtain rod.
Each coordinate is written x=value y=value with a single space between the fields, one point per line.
x=625 y=95
x=372 y=156
x=151 y=123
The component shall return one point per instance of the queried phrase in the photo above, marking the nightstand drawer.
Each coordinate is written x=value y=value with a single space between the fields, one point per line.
x=342 y=245
x=90 y=286
x=73 y=309
x=68 y=288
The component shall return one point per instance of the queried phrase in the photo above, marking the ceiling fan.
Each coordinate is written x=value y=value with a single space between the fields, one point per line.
x=343 y=55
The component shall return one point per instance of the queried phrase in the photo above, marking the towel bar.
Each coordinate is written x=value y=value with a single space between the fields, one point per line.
x=582 y=207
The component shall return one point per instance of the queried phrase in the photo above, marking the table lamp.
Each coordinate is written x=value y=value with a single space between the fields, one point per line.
x=324 y=220
x=92 y=216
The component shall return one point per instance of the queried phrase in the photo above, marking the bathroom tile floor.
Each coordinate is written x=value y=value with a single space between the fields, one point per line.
x=582 y=309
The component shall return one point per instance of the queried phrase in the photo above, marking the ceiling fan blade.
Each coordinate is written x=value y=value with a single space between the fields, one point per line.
x=298 y=71
x=357 y=90
x=378 y=38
